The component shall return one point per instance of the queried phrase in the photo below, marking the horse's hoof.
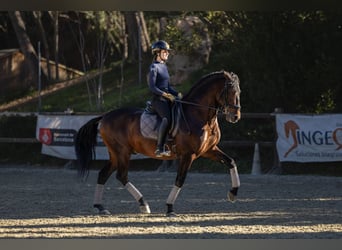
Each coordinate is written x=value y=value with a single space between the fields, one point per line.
x=171 y=214
x=101 y=210
x=145 y=209
x=231 y=197
x=104 y=212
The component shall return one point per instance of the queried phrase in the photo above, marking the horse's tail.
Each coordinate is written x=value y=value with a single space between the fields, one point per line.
x=85 y=143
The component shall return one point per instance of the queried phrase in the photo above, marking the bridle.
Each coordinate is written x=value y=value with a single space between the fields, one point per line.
x=227 y=106
x=226 y=109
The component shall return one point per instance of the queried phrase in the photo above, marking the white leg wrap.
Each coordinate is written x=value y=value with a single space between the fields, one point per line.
x=173 y=195
x=98 y=194
x=133 y=191
x=235 y=177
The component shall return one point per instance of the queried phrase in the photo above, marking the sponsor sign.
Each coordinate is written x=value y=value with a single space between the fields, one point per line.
x=309 y=138
x=57 y=134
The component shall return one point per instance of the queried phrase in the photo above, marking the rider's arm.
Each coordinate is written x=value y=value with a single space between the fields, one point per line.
x=152 y=80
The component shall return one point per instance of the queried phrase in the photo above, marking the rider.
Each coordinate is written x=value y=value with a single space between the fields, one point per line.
x=163 y=93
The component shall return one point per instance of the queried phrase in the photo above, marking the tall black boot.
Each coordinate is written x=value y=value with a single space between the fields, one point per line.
x=160 y=152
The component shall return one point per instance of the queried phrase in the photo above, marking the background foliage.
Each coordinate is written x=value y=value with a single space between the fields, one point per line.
x=286 y=59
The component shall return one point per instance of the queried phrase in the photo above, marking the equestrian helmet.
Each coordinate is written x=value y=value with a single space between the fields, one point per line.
x=160 y=45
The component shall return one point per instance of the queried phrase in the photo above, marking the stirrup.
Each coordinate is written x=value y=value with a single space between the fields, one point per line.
x=166 y=153
x=158 y=153
x=162 y=152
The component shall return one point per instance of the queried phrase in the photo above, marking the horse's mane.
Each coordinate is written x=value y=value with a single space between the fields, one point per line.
x=217 y=75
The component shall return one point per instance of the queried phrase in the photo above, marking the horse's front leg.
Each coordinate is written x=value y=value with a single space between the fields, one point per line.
x=184 y=165
x=217 y=155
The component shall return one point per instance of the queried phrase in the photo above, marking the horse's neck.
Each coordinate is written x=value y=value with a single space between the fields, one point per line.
x=202 y=109
x=204 y=96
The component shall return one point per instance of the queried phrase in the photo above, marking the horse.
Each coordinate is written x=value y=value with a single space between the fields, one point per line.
x=198 y=136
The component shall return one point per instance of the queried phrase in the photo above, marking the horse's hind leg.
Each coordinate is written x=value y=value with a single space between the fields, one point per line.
x=102 y=178
x=122 y=176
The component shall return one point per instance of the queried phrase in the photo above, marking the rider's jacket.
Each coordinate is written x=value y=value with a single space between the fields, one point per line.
x=159 y=79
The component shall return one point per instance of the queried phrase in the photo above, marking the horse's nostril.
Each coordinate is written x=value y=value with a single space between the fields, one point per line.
x=236 y=118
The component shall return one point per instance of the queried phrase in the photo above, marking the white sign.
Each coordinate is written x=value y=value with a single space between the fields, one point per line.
x=309 y=138
x=57 y=134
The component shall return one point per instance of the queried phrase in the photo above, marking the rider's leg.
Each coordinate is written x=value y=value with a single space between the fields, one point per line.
x=161 y=149
x=162 y=107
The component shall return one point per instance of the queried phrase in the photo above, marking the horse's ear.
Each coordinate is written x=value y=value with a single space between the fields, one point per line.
x=229 y=75
x=234 y=76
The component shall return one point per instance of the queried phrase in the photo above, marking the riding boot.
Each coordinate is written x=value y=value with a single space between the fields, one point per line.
x=161 y=150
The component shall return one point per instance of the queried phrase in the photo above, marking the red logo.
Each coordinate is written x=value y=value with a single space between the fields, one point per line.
x=45 y=136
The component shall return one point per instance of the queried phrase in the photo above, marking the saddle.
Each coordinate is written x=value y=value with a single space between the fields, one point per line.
x=150 y=121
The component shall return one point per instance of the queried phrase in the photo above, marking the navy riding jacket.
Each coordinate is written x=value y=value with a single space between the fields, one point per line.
x=159 y=79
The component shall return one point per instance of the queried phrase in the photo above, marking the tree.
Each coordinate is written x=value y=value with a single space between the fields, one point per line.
x=38 y=16
x=54 y=15
x=138 y=36
x=100 y=23
x=25 y=44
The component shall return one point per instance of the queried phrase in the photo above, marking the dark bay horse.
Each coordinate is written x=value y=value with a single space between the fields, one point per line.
x=198 y=136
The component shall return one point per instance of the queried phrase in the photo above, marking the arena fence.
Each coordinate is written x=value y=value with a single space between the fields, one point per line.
x=224 y=143
x=239 y=143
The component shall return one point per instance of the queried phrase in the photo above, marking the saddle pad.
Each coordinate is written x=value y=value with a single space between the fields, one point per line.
x=148 y=125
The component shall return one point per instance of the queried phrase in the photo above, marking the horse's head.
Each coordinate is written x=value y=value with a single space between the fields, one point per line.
x=230 y=98
x=217 y=91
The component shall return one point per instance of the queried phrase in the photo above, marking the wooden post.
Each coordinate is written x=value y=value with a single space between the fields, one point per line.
x=277 y=168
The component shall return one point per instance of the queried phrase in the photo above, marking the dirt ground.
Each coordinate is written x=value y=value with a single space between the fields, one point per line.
x=54 y=203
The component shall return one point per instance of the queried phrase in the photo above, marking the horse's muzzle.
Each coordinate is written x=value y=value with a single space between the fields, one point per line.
x=233 y=117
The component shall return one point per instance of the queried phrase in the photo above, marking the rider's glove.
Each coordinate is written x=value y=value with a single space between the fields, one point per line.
x=169 y=96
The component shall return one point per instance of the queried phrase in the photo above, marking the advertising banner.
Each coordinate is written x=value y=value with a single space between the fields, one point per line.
x=57 y=134
x=309 y=138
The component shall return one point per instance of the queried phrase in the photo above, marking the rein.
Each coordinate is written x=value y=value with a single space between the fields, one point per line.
x=198 y=105
x=226 y=104
x=194 y=104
